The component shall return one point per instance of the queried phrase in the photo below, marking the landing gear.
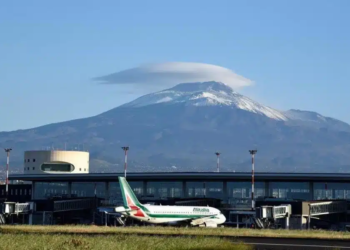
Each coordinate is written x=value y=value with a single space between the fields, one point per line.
x=210 y=224
x=122 y=220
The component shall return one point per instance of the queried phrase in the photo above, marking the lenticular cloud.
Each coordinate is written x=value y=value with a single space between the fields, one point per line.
x=171 y=73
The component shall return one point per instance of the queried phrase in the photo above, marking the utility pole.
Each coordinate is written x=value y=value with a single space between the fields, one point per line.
x=126 y=159
x=253 y=152
x=7 y=150
x=217 y=162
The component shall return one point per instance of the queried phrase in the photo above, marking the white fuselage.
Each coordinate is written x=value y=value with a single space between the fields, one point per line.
x=166 y=214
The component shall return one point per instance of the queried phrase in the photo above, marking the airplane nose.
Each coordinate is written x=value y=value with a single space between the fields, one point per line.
x=223 y=218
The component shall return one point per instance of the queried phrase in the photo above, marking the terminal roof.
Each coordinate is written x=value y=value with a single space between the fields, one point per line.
x=178 y=176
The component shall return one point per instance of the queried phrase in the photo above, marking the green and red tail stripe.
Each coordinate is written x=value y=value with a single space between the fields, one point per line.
x=130 y=200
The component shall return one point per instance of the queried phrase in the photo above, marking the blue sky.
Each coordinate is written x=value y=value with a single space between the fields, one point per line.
x=297 y=52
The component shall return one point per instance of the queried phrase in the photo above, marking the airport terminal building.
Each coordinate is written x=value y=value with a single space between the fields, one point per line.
x=233 y=189
x=61 y=184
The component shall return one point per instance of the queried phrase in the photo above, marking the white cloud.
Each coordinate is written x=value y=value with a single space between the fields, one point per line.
x=162 y=75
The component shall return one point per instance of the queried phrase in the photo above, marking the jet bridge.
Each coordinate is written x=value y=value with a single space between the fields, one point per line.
x=274 y=212
x=266 y=216
x=327 y=207
x=9 y=208
x=70 y=205
x=322 y=210
x=13 y=210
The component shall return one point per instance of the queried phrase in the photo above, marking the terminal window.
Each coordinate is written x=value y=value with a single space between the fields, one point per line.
x=57 y=167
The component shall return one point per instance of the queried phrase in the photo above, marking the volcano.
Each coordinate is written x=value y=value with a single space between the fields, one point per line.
x=180 y=129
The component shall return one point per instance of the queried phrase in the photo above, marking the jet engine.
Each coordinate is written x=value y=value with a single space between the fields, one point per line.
x=120 y=209
x=210 y=224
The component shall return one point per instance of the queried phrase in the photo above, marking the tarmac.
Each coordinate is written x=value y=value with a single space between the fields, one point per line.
x=263 y=243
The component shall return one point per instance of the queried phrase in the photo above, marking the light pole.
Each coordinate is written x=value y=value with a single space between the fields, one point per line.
x=217 y=162
x=253 y=152
x=126 y=159
x=7 y=150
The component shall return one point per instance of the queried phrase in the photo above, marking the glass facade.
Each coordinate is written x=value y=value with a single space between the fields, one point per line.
x=196 y=189
x=214 y=190
x=164 y=189
x=290 y=190
x=323 y=190
x=137 y=187
x=88 y=189
x=239 y=193
x=45 y=190
x=206 y=189
x=236 y=193
x=114 y=196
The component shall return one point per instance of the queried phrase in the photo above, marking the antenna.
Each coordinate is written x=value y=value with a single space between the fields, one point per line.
x=125 y=148
x=253 y=152
x=217 y=162
x=7 y=150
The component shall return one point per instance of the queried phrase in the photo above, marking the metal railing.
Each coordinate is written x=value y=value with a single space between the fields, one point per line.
x=22 y=208
x=274 y=212
x=281 y=211
x=329 y=207
x=69 y=205
x=15 y=208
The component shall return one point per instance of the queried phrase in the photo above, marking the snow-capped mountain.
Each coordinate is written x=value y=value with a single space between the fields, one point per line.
x=183 y=126
x=315 y=120
x=219 y=94
x=206 y=94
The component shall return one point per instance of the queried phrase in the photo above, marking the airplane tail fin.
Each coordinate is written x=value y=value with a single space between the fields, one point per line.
x=129 y=197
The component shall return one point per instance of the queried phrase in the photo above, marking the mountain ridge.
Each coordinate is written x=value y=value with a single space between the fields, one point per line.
x=182 y=135
x=205 y=94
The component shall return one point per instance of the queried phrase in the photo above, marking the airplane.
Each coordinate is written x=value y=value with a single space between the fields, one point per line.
x=158 y=214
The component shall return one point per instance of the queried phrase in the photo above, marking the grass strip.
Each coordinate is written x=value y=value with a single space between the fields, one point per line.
x=115 y=242
x=157 y=230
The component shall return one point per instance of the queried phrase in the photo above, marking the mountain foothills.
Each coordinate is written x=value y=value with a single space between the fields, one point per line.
x=180 y=129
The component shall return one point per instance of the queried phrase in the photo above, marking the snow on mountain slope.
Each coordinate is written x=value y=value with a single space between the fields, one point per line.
x=313 y=119
x=295 y=114
x=206 y=94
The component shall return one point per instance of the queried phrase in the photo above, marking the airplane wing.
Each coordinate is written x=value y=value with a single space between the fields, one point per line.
x=201 y=220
